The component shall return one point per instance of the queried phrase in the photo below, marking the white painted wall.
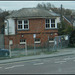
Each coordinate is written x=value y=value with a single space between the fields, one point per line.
x=74 y=23
x=11 y=27
x=58 y=19
x=55 y=23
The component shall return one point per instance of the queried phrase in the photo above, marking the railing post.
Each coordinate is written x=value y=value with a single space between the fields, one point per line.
x=55 y=45
x=48 y=43
x=34 y=36
x=10 y=50
x=25 y=48
x=34 y=47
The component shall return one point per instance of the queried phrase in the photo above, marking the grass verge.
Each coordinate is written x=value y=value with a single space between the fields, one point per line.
x=31 y=54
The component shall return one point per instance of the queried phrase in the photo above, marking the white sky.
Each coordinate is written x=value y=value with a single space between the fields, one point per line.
x=16 y=5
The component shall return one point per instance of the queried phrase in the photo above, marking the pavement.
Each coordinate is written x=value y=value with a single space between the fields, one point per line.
x=61 y=52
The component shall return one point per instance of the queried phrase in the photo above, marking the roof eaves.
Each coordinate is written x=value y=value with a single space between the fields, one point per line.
x=67 y=19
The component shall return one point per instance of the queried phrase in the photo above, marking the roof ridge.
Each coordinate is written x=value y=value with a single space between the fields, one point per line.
x=28 y=12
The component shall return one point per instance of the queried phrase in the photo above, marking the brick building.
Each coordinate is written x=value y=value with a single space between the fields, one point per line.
x=24 y=23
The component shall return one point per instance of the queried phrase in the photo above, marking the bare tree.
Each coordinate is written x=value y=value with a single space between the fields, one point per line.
x=49 y=6
x=46 y=6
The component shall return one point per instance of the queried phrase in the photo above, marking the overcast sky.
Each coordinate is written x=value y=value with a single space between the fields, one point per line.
x=16 y=5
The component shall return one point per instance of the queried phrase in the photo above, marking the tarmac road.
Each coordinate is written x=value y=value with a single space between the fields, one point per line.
x=55 y=65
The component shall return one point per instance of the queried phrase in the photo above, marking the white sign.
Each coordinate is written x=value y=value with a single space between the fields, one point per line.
x=55 y=42
x=66 y=37
x=34 y=35
x=10 y=42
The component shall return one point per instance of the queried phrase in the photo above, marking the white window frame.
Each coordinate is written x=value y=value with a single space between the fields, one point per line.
x=50 y=41
x=50 y=24
x=6 y=26
x=37 y=41
x=23 y=25
x=22 y=42
x=19 y=24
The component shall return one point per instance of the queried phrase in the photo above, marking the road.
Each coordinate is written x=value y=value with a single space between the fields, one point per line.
x=55 y=65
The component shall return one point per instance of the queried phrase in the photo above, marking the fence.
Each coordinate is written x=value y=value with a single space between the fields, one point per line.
x=1 y=41
x=61 y=41
x=27 y=49
x=49 y=46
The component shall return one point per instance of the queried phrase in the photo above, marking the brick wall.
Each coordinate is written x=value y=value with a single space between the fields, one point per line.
x=36 y=26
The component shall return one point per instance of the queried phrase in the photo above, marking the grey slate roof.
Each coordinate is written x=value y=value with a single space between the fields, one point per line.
x=31 y=12
x=70 y=19
x=53 y=13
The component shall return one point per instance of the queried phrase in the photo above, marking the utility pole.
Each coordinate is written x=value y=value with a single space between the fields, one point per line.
x=61 y=16
x=8 y=32
x=7 y=22
x=9 y=45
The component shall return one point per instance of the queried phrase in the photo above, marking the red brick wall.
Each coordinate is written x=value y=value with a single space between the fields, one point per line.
x=36 y=26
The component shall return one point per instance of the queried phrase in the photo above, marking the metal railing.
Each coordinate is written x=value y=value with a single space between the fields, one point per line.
x=29 y=49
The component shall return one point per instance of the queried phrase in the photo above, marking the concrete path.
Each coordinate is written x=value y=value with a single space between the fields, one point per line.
x=61 y=52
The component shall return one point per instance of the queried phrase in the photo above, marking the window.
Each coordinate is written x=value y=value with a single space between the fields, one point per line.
x=37 y=40
x=19 y=24
x=23 y=24
x=22 y=41
x=47 y=23
x=50 y=23
x=51 y=39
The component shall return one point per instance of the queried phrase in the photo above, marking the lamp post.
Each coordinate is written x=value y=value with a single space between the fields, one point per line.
x=8 y=29
x=6 y=21
x=8 y=36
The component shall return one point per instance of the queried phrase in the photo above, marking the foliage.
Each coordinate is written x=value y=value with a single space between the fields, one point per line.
x=68 y=12
x=2 y=18
x=49 y=6
x=65 y=29
x=46 y=6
